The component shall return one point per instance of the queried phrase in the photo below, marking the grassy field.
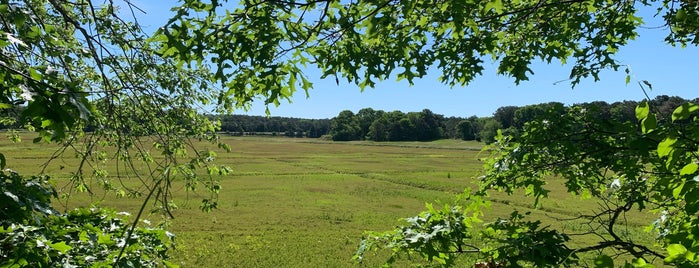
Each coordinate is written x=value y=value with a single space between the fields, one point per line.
x=306 y=202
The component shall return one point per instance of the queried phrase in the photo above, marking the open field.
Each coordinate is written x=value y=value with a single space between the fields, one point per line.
x=305 y=203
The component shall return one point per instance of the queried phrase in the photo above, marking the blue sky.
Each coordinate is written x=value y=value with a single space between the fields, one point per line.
x=671 y=71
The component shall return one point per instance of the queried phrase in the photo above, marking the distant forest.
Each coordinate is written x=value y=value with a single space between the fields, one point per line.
x=378 y=125
x=369 y=124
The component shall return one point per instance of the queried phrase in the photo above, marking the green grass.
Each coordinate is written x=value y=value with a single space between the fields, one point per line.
x=306 y=202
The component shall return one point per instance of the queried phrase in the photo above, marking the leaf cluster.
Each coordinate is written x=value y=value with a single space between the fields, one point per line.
x=34 y=234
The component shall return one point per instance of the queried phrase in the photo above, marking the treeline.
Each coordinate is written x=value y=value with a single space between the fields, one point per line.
x=282 y=126
x=377 y=125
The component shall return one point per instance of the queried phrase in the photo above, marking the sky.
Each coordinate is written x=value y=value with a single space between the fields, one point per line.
x=670 y=70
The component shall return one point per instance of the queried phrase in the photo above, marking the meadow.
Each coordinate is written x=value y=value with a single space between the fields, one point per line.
x=306 y=202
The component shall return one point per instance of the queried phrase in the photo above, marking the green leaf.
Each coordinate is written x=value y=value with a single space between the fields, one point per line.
x=642 y=110
x=675 y=251
x=684 y=111
x=105 y=239
x=604 y=261
x=666 y=146
x=649 y=124
x=641 y=263
x=3 y=161
x=60 y=246
x=689 y=169
x=34 y=74
x=495 y=5
x=676 y=191
x=46 y=123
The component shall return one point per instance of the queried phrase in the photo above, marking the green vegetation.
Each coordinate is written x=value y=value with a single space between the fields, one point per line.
x=131 y=106
x=293 y=202
x=621 y=166
x=306 y=202
x=378 y=125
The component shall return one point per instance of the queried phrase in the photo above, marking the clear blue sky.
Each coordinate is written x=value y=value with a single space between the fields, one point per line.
x=671 y=70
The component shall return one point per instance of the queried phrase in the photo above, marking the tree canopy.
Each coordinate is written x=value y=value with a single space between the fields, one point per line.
x=79 y=65
x=368 y=41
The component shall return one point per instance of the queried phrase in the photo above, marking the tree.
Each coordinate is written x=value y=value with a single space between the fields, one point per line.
x=505 y=115
x=466 y=130
x=378 y=131
x=489 y=130
x=345 y=127
x=434 y=126
x=624 y=111
x=366 y=117
x=396 y=131
x=665 y=105
x=533 y=112
x=601 y=108
x=368 y=41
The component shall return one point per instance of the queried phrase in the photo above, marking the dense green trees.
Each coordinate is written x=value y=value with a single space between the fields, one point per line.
x=365 y=118
x=465 y=130
x=262 y=125
x=622 y=111
x=345 y=127
x=378 y=125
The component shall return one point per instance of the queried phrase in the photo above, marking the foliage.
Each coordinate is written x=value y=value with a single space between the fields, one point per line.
x=621 y=111
x=465 y=130
x=345 y=127
x=368 y=41
x=393 y=126
x=260 y=125
x=71 y=68
x=489 y=130
x=86 y=76
x=435 y=234
x=34 y=234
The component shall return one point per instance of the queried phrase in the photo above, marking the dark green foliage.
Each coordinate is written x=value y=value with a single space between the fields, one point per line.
x=437 y=235
x=379 y=129
x=525 y=243
x=466 y=130
x=505 y=115
x=392 y=126
x=260 y=125
x=529 y=113
x=24 y=201
x=345 y=127
x=365 y=118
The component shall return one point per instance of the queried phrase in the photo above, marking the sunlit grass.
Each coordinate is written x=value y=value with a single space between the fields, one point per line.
x=306 y=202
